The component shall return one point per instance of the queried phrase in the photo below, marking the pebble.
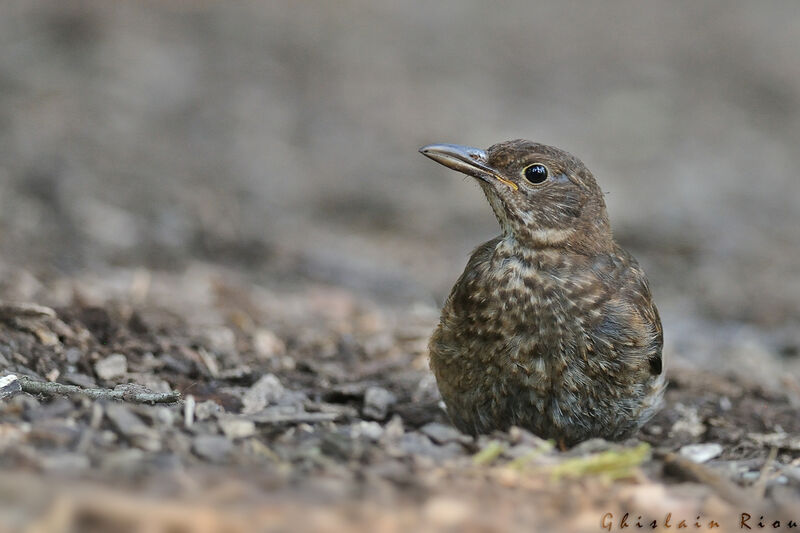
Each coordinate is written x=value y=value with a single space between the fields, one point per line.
x=589 y=447
x=132 y=428
x=700 y=453
x=265 y=391
x=207 y=409
x=416 y=443
x=394 y=429
x=214 y=448
x=267 y=344
x=377 y=402
x=442 y=434
x=164 y=416
x=9 y=386
x=81 y=380
x=72 y=355
x=725 y=403
x=112 y=367
x=237 y=428
x=517 y=435
x=689 y=423
x=369 y=430
x=220 y=339
x=341 y=447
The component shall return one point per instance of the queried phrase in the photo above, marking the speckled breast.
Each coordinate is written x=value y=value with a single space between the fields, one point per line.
x=511 y=350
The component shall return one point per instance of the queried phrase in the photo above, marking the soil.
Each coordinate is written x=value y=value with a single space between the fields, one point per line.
x=315 y=408
x=225 y=202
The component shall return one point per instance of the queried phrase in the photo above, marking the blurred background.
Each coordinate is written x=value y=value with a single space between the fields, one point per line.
x=279 y=139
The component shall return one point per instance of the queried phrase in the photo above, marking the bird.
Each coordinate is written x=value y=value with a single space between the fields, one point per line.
x=552 y=326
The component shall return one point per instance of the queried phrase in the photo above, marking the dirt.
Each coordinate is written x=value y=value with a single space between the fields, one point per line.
x=224 y=202
x=316 y=407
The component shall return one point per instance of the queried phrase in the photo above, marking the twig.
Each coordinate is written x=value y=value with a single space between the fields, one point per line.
x=760 y=485
x=9 y=310
x=125 y=393
x=683 y=468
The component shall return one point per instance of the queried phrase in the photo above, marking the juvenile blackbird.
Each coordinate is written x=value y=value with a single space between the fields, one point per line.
x=551 y=327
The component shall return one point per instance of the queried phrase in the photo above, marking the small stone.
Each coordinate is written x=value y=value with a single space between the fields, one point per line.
x=9 y=386
x=369 y=430
x=72 y=355
x=689 y=423
x=220 y=339
x=164 y=416
x=700 y=453
x=415 y=443
x=81 y=380
x=149 y=382
x=518 y=435
x=654 y=429
x=205 y=410
x=237 y=428
x=377 y=402
x=112 y=367
x=236 y=373
x=523 y=452
x=589 y=447
x=442 y=434
x=341 y=446
x=214 y=448
x=286 y=363
x=394 y=429
x=267 y=345
x=265 y=391
x=46 y=337
x=132 y=427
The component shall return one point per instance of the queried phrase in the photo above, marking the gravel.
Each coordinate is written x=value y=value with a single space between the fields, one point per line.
x=377 y=403
x=114 y=366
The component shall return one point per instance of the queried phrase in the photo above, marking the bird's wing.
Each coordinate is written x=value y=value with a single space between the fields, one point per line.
x=625 y=320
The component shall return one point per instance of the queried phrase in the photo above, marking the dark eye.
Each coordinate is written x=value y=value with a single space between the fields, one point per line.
x=536 y=173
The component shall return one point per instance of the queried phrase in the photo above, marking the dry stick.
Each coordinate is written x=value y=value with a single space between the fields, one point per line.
x=123 y=392
x=760 y=486
x=724 y=487
x=9 y=310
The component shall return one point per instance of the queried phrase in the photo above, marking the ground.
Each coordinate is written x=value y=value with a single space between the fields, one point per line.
x=315 y=408
x=224 y=202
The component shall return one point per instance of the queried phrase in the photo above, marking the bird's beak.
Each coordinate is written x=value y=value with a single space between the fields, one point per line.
x=465 y=159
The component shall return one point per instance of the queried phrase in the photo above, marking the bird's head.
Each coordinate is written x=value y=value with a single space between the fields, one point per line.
x=542 y=196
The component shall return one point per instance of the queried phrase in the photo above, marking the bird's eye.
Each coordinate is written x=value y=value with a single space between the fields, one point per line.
x=536 y=173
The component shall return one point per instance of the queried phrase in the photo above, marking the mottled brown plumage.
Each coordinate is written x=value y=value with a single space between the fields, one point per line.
x=551 y=326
